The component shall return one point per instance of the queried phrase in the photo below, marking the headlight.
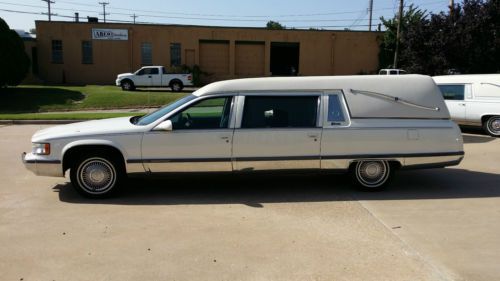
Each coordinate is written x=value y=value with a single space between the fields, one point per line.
x=41 y=148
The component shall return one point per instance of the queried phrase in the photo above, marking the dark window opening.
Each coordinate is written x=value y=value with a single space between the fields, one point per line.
x=87 y=57
x=280 y=112
x=284 y=59
x=34 y=58
x=146 y=54
x=57 y=51
x=175 y=54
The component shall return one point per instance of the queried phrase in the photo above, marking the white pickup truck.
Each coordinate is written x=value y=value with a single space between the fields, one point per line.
x=154 y=76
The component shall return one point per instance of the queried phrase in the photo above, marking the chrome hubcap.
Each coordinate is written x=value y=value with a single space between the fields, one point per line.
x=495 y=124
x=96 y=175
x=372 y=173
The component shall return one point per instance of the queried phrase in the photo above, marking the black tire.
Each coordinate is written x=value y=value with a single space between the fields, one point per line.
x=97 y=176
x=371 y=175
x=128 y=85
x=492 y=126
x=176 y=86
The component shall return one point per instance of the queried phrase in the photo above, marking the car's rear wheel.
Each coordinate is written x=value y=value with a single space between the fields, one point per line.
x=492 y=126
x=371 y=175
x=96 y=176
x=176 y=86
x=128 y=85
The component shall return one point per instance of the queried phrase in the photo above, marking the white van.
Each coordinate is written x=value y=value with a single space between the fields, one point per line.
x=473 y=99
x=369 y=126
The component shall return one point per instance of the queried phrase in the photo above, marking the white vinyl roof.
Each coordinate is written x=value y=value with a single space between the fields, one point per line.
x=377 y=96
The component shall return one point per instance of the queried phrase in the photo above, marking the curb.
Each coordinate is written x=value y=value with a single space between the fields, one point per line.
x=38 y=122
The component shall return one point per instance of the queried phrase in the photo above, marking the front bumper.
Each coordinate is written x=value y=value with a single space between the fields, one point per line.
x=118 y=82
x=42 y=167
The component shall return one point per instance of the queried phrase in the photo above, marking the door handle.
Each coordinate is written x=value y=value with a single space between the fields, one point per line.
x=313 y=136
x=462 y=104
x=226 y=138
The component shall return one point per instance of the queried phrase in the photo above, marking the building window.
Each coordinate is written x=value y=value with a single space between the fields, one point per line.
x=87 y=52
x=146 y=54
x=57 y=51
x=175 y=54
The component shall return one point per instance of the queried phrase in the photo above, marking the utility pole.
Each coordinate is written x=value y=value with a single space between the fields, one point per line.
x=104 y=9
x=134 y=16
x=48 y=5
x=398 y=34
x=370 y=8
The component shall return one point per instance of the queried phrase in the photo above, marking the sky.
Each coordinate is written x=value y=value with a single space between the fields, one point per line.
x=334 y=15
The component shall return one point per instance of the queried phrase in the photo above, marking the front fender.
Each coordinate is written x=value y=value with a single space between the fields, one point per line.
x=94 y=142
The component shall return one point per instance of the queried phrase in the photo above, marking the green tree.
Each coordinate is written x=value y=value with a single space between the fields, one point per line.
x=274 y=25
x=410 y=17
x=14 y=61
x=467 y=39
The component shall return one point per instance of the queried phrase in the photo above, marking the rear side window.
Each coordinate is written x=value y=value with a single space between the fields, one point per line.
x=280 y=112
x=335 y=112
x=452 y=92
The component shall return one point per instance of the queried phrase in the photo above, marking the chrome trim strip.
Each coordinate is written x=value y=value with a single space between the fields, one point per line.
x=402 y=155
x=296 y=158
x=492 y=84
x=393 y=99
x=386 y=128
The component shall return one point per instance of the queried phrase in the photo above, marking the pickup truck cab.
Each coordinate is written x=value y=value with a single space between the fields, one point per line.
x=473 y=100
x=369 y=126
x=153 y=76
x=391 y=71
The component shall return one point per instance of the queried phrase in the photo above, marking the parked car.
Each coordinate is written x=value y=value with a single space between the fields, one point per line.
x=369 y=126
x=391 y=71
x=154 y=76
x=473 y=99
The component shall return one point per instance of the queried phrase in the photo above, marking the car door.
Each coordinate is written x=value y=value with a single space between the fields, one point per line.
x=277 y=132
x=200 y=140
x=155 y=77
x=143 y=77
x=454 y=95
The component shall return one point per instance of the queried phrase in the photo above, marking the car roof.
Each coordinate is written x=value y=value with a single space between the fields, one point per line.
x=468 y=78
x=309 y=83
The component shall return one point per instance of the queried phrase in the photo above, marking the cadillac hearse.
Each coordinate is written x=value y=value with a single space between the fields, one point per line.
x=473 y=100
x=369 y=126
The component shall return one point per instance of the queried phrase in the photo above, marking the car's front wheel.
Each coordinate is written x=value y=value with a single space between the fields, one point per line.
x=492 y=126
x=371 y=175
x=128 y=85
x=96 y=176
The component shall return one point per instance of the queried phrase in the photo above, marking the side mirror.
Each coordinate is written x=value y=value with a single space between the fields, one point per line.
x=164 y=126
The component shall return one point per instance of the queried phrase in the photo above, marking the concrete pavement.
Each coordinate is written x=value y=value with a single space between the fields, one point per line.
x=430 y=225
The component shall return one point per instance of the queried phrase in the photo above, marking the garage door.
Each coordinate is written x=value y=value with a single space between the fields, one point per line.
x=214 y=57
x=249 y=59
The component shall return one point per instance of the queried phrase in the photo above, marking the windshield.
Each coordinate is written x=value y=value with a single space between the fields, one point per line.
x=155 y=115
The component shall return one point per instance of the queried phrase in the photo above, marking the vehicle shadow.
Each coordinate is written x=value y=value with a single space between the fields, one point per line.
x=256 y=190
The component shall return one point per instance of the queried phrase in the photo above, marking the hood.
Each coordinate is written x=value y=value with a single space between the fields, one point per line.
x=88 y=128
x=124 y=75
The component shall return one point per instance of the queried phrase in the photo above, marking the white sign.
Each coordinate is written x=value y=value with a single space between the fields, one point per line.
x=109 y=34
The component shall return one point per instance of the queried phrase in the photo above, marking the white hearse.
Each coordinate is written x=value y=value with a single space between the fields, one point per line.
x=367 y=125
x=473 y=99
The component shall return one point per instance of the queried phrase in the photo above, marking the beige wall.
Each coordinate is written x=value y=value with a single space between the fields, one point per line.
x=227 y=56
